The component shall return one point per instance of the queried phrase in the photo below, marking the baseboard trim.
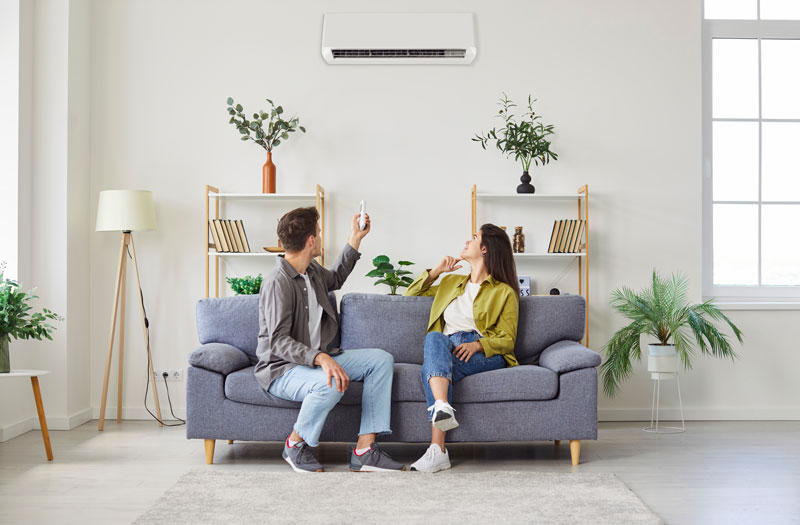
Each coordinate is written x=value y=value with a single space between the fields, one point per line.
x=138 y=413
x=13 y=430
x=701 y=414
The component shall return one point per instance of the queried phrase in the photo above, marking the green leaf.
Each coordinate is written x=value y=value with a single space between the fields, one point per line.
x=279 y=109
x=230 y=101
x=245 y=138
x=374 y=273
x=302 y=129
x=385 y=267
x=239 y=108
x=404 y=263
x=380 y=259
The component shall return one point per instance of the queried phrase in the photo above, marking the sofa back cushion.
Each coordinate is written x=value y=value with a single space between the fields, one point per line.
x=398 y=324
x=234 y=321
x=393 y=323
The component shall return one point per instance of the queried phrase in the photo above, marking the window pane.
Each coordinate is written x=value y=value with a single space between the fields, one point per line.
x=780 y=78
x=736 y=244
x=731 y=9
x=780 y=250
x=735 y=161
x=780 y=10
x=734 y=78
x=780 y=169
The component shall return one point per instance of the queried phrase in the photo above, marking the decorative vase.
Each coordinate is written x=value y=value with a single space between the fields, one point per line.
x=662 y=359
x=526 y=186
x=5 y=363
x=268 y=175
x=519 y=240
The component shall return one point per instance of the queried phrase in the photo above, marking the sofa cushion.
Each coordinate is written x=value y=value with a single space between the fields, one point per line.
x=234 y=321
x=518 y=383
x=396 y=324
x=219 y=357
x=544 y=320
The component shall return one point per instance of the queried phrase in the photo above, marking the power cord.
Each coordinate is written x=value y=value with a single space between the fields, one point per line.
x=561 y=275
x=147 y=385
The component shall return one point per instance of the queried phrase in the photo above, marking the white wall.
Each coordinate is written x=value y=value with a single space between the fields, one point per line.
x=620 y=80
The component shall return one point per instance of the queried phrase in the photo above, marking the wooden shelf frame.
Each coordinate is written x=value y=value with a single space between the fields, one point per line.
x=209 y=249
x=582 y=197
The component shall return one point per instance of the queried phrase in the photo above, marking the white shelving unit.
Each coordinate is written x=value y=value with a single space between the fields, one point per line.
x=209 y=249
x=582 y=199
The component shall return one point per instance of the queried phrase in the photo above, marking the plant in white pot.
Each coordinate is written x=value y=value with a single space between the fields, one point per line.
x=662 y=312
x=16 y=319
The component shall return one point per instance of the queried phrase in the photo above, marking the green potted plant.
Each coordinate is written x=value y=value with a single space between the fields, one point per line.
x=525 y=139
x=662 y=311
x=17 y=320
x=387 y=274
x=247 y=285
x=268 y=129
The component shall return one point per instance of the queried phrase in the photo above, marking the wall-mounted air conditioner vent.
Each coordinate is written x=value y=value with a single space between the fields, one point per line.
x=398 y=38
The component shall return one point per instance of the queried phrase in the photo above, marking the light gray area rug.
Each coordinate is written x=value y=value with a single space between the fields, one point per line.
x=208 y=496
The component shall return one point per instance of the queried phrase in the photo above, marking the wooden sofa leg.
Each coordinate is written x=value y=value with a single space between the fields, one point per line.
x=575 y=450
x=230 y=442
x=210 y=450
x=557 y=442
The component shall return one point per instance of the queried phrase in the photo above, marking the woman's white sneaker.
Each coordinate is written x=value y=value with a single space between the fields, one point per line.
x=444 y=417
x=433 y=460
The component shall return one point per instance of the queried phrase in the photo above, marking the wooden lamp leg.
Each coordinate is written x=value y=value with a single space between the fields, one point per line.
x=144 y=327
x=121 y=334
x=111 y=337
x=575 y=450
x=37 y=396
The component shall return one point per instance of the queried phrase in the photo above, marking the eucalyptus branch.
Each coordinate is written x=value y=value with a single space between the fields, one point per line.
x=277 y=128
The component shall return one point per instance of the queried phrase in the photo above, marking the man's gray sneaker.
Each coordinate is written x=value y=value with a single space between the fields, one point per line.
x=374 y=460
x=301 y=458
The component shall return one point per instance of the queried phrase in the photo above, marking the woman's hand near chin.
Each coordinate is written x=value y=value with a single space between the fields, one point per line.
x=448 y=264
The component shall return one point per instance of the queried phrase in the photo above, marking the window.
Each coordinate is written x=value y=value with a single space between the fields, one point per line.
x=751 y=149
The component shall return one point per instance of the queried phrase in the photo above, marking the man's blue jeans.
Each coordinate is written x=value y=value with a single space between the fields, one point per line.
x=309 y=385
x=440 y=361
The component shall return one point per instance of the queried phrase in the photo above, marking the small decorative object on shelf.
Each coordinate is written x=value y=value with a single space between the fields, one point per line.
x=16 y=319
x=526 y=140
x=519 y=240
x=388 y=275
x=267 y=129
x=247 y=285
x=555 y=291
x=524 y=285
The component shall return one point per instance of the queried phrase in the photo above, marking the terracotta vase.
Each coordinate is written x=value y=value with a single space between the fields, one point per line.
x=268 y=175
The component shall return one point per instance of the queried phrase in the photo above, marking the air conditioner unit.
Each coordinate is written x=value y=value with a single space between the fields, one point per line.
x=398 y=38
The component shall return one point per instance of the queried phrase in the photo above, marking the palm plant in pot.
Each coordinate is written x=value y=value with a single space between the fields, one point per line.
x=662 y=312
x=525 y=139
x=17 y=321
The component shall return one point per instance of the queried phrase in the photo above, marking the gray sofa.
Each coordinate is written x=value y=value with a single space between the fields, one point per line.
x=552 y=395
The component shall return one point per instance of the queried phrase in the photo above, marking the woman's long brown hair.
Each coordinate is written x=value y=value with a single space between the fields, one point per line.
x=499 y=257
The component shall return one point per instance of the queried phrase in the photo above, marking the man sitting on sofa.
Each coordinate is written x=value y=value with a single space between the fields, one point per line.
x=296 y=325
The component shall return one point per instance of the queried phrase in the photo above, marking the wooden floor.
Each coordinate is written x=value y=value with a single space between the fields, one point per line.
x=717 y=472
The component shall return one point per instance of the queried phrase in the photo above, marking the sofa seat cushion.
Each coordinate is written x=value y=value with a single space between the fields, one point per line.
x=241 y=386
x=519 y=383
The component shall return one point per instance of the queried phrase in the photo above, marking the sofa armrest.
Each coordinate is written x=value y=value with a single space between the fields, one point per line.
x=566 y=356
x=219 y=357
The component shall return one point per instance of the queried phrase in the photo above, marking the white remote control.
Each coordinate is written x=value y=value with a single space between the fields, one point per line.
x=362 y=218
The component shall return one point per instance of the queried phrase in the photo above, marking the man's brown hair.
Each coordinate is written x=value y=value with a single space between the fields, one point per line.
x=295 y=227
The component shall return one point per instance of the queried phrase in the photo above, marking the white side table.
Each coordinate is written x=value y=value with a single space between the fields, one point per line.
x=37 y=395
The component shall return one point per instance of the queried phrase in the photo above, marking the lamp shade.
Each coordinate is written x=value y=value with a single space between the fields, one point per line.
x=125 y=210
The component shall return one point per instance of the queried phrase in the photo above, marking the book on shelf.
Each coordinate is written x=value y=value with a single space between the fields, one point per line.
x=237 y=242
x=232 y=234
x=214 y=235
x=223 y=239
x=242 y=235
x=566 y=236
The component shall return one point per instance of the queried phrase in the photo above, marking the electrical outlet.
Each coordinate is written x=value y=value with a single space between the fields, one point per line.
x=173 y=374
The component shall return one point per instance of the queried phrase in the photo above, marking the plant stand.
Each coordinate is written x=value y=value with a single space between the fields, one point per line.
x=655 y=427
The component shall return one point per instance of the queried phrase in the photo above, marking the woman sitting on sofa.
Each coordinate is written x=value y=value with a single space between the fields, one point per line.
x=471 y=329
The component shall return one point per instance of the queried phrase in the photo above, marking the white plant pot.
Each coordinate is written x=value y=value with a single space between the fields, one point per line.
x=662 y=359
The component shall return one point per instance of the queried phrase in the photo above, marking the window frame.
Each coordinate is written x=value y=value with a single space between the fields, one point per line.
x=737 y=29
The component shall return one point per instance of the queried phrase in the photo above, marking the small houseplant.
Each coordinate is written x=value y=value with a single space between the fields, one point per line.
x=17 y=320
x=525 y=139
x=247 y=285
x=389 y=275
x=662 y=311
x=267 y=129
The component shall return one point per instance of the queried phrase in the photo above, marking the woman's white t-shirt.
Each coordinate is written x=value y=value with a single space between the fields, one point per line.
x=458 y=316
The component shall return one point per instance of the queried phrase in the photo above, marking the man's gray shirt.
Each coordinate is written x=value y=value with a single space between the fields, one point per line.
x=283 y=338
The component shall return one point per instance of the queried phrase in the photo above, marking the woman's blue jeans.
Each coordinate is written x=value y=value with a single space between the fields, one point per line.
x=440 y=361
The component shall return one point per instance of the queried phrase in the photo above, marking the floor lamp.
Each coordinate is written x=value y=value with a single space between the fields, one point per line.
x=125 y=211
